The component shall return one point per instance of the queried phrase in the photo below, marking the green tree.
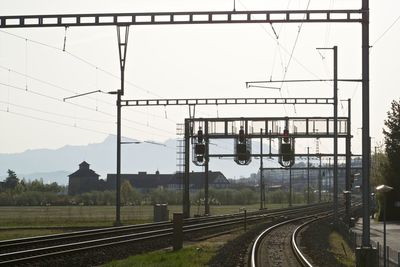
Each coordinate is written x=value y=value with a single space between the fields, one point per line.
x=392 y=170
x=129 y=195
x=12 y=180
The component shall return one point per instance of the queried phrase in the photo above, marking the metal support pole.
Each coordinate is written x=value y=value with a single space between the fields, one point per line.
x=122 y=48
x=206 y=172
x=290 y=186
x=365 y=125
x=308 y=175
x=118 y=177
x=261 y=171
x=348 y=162
x=335 y=139
x=329 y=180
x=320 y=181
x=384 y=231
x=186 y=181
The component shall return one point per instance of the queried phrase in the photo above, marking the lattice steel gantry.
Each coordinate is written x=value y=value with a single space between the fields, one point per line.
x=231 y=17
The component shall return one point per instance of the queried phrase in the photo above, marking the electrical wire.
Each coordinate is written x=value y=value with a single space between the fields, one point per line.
x=386 y=31
x=294 y=47
x=56 y=114
x=83 y=107
x=87 y=63
x=53 y=122
x=283 y=47
x=72 y=91
x=80 y=59
x=65 y=124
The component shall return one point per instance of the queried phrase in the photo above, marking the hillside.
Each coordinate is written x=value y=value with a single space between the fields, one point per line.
x=55 y=165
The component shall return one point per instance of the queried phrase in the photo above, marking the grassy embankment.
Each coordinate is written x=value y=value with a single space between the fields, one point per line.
x=341 y=250
x=195 y=255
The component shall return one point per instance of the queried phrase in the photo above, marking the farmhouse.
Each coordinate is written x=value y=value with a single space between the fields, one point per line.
x=86 y=180
x=145 y=182
x=83 y=180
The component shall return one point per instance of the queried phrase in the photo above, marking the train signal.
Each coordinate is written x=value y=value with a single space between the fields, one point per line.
x=199 y=149
x=286 y=135
x=286 y=152
x=242 y=148
x=242 y=137
x=200 y=136
x=199 y=152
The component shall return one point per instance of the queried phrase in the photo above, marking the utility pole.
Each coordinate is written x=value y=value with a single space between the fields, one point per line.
x=123 y=34
x=290 y=186
x=262 y=197
x=366 y=255
x=320 y=180
x=335 y=139
x=308 y=175
x=186 y=180
x=335 y=132
x=366 y=147
x=207 y=159
x=348 y=162
x=329 y=180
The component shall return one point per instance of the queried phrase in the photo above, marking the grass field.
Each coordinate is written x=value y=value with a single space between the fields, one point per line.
x=37 y=218
x=94 y=216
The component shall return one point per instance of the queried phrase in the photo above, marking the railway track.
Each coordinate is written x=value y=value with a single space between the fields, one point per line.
x=278 y=245
x=45 y=248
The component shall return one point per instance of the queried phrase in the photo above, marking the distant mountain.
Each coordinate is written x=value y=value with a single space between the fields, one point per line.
x=56 y=165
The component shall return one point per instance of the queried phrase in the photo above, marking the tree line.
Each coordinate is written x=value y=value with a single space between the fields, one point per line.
x=19 y=192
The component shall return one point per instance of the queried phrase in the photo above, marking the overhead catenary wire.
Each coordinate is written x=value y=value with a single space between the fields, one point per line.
x=82 y=60
x=57 y=114
x=385 y=31
x=81 y=106
x=53 y=121
x=87 y=63
x=68 y=125
x=72 y=91
x=283 y=47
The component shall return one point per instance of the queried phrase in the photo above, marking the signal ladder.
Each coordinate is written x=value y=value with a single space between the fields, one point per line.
x=180 y=152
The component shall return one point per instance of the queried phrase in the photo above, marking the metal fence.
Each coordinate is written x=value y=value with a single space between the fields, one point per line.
x=392 y=256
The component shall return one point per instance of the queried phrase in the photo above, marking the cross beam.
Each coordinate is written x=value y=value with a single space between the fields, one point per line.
x=276 y=155
x=165 y=18
x=305 y=168
x=224 y=101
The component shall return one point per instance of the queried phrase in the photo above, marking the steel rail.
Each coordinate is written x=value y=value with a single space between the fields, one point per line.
x=79 y=234
x=299 y=255
x=257 y=242
x=7 y=244
x=26 y=256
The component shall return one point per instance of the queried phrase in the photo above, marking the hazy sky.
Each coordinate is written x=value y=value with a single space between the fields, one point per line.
x=189 y=61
